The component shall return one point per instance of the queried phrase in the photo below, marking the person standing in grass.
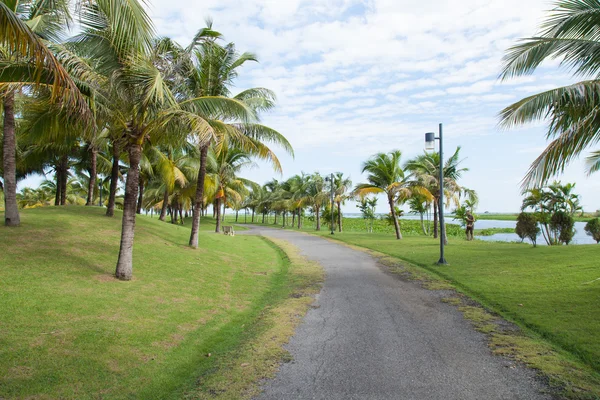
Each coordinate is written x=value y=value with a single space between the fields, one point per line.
x=470 y=219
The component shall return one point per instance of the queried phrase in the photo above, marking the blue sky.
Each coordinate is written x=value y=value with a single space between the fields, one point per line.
x=358 y=77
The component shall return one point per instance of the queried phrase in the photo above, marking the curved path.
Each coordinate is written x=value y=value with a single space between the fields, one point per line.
x=373 y=336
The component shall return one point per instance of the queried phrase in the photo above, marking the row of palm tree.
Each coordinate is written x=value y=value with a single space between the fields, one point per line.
x=415 y=182
x=298 y=195
x=116 y=95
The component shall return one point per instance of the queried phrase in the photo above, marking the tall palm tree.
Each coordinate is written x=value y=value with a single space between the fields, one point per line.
x=26 y=61
x=385 y=175
x=341 y=187
x=425 y=171
x=227 y=184
x=568 y=34
x=316 y=196
x=210 y=71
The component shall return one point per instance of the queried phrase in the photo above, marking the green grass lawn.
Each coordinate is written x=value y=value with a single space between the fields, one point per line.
x=554 y=291
x=68 y=329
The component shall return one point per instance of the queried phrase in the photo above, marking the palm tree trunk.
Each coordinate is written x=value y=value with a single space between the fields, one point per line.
x=339 y=204
x=395 y=218
x=64 y=167
x=124 y=269
x=140 y=196
x=174 y=211
x=181 y=214
x=163 y=210
x=293 y=218
x=11 y=209
x=114 y=181
x=318 y=218
x=218 y=216
x=423 y=225
x=198 y=201
x=253 y=215
x=236 y=215
x=299 y=218
x=224 y=208
x=58 y=177
x=92 y=183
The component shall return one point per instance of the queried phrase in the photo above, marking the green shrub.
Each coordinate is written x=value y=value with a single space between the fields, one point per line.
x=527 y=227
x=592 y=228
x=564 y=224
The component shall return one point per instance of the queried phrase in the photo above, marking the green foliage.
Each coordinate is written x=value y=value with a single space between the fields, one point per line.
x=367 y=208
x=527 y=227
x=592 y=228
x=548 y=201
x=569 y=35
x=564 y=225
x=460 y=214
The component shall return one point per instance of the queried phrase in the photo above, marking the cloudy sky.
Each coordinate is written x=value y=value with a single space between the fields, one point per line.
x=358 y=77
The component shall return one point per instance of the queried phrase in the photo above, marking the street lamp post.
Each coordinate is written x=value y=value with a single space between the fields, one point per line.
x=430 y=145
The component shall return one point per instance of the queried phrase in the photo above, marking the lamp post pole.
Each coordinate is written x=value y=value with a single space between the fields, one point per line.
x=332 y=203
x=442 y=260
x=430 y=145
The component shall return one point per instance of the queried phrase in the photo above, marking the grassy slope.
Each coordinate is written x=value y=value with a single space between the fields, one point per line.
x=555 y=291
x=69 y=330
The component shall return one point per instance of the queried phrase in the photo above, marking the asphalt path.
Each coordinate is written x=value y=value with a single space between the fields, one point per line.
x=371 y=335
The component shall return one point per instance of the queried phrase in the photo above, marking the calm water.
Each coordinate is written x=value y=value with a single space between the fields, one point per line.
x=580 y=236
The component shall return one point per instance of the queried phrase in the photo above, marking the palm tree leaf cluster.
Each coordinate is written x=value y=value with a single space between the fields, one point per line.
x=571 y=35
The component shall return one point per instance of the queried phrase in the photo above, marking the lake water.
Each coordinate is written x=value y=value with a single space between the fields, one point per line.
x=580 y=236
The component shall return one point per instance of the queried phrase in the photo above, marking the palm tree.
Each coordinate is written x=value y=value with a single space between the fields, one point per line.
x=229 y=187
x=27 y=28
x=425 y=171
x=341 y=186
x=209 y=70
x=316 y=195
x=385 y=175
x=421 y=205
x=568 y=34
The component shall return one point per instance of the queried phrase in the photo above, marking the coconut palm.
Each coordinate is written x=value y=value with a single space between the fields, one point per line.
x=228 y=186
x=210 y=71
x=385 y=175
x=26 y=61
x=316 y=196
x=569 y=35
x=341 y=186
x=425 y=171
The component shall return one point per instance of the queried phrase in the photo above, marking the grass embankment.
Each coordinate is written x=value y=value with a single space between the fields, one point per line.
x=68 y=329
x=551 y=291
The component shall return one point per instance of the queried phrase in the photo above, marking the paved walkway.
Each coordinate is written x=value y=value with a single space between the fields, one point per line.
x=373 y=336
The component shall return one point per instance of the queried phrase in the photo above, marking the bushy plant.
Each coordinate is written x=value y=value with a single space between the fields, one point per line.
x=564 y=225
x=527 y=227
x=592 y=228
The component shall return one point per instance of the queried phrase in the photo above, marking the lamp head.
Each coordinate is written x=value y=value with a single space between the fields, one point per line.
x=429 y=141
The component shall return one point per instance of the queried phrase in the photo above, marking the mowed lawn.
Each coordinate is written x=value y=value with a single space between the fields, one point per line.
x=554 y=291
x=68 y=329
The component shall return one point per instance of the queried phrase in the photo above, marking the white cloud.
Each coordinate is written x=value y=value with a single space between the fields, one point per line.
x=367 y=76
